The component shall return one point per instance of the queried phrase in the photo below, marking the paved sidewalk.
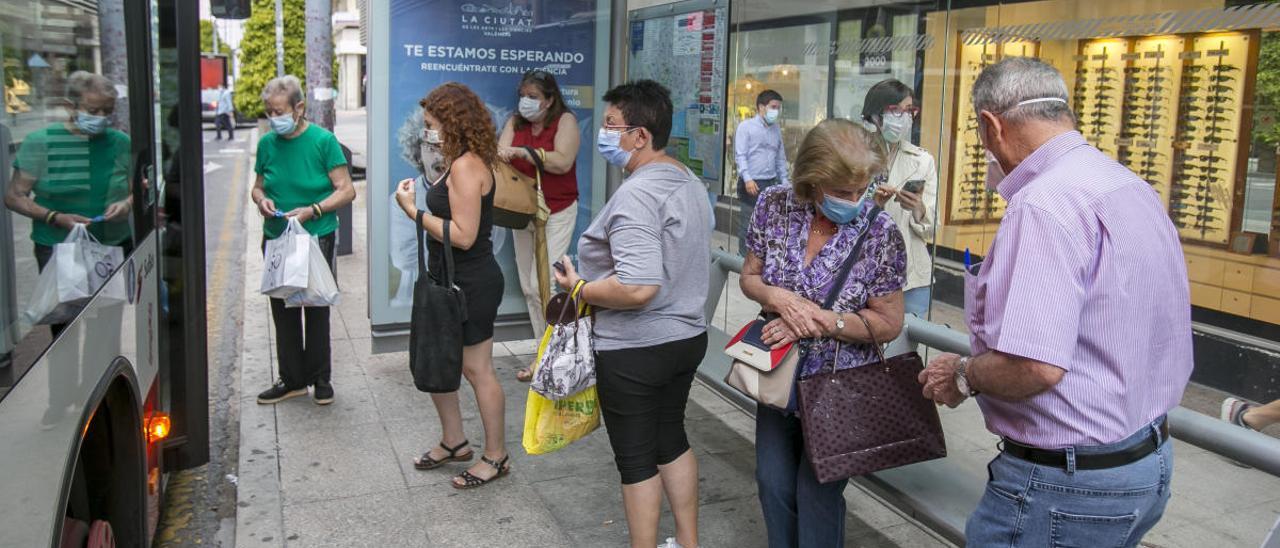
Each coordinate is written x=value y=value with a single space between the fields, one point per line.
x=341 y=475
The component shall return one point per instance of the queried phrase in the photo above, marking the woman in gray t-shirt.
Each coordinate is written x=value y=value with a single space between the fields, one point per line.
x=646 y=260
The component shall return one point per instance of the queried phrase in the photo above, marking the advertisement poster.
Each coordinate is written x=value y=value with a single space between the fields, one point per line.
x=487 y=45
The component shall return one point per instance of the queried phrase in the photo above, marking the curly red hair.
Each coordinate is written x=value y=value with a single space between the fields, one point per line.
x=465 y=124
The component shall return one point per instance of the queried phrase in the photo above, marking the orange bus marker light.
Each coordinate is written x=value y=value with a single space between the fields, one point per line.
x=158 y=427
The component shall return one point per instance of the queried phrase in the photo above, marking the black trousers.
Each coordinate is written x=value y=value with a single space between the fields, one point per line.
x=643 y=393
x=302 y=334
x=224 y=121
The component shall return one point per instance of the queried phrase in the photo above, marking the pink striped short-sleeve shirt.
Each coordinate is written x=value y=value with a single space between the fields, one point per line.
x=1086 y=273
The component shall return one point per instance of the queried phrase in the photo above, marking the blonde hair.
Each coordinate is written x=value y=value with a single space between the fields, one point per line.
x=835 y=153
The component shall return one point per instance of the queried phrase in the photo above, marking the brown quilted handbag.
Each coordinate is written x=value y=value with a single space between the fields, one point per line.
x=868 y=418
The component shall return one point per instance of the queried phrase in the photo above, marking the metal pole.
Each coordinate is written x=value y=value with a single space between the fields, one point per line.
x=617 y=74
x=279 y=38
x=320 y=63
x=214 y=31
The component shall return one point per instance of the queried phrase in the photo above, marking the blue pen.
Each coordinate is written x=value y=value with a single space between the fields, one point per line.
x=967 y=261
x=98 y=219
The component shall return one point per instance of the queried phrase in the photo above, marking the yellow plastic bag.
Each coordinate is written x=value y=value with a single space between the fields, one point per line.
x=551 y=425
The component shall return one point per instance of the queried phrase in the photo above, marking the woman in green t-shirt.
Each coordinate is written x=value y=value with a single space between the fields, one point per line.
x=302 y=173
x=75 y=171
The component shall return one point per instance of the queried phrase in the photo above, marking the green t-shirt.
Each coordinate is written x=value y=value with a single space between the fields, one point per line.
x=75 y=173
x=295 y=173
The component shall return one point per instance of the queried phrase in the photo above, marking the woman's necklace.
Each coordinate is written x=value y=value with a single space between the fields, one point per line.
x=820 y=223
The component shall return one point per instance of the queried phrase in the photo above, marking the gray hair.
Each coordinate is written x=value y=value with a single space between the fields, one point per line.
x=1000 y=87
x=285 y=85
x=81 y=82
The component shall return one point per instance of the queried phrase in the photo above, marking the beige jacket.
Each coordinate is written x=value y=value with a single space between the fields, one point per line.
x=912 y=162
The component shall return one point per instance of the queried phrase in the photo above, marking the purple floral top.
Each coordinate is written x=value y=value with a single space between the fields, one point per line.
x=779 y=233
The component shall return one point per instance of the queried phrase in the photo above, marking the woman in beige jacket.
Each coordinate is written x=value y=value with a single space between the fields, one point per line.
x=911 y=190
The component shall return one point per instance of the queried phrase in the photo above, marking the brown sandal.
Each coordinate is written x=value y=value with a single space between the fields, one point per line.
x=425 y=462
x=470 y=481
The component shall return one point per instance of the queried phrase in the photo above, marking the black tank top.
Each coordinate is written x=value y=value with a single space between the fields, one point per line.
x=438 y=205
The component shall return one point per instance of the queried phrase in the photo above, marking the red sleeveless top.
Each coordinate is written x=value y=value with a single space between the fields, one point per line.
x=560 y=190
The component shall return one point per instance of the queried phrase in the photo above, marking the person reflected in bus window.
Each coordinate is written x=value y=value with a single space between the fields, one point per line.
x=543 y=123
x=461 y=199
x=761 y=158
x=912 y=186
x=302 y=174
x=75 y=171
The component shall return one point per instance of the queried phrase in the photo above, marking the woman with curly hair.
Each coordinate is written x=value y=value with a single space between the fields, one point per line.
x=458 y=125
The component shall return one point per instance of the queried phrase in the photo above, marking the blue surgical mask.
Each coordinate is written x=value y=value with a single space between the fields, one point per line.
x=90 y=124
x=841 y=211
x=283 y=124
x=771 y=116
x=607 y=143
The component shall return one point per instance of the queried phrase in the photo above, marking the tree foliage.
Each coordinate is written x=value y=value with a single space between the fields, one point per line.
x=1267 y=92
x=258 y=51
x=206 y=38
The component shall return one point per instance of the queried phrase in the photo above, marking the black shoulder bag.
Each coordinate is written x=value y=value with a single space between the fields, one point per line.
x=435 y=329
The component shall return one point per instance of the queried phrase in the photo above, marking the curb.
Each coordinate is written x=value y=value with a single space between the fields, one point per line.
x=259 y=509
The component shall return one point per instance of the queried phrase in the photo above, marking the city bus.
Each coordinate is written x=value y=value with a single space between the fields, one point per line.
x=103 y=383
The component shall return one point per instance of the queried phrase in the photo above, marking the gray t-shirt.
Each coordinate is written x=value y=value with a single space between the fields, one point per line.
x=656 y=230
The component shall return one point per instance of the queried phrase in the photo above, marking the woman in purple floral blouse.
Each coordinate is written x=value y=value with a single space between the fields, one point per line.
x=797 y=241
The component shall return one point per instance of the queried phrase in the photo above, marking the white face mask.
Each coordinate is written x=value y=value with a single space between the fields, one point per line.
x=531 y=109
x=995 y=171
x=895 y=126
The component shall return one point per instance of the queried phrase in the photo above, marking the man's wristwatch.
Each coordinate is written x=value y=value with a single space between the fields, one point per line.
x=962 y=382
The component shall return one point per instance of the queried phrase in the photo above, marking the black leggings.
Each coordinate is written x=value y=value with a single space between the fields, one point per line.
x=643 y=392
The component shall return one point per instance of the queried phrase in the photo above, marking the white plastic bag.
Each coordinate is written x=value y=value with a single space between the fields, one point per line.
x=63 y=288
x=101 y=262
x=322 y=289
x=286 y=261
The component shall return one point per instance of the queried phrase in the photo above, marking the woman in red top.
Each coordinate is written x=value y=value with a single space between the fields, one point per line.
x=543 y=121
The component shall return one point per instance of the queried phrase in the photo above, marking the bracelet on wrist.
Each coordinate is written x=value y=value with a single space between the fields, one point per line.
x=50 y=217
x=315 y=208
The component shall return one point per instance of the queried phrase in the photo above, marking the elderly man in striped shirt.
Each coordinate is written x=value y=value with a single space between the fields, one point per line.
x=1080 y=323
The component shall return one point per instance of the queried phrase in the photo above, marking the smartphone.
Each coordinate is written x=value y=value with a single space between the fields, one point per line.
x=559 y=266
x=913 y=186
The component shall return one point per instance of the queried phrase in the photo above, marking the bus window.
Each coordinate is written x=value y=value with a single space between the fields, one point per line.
x=66 y=169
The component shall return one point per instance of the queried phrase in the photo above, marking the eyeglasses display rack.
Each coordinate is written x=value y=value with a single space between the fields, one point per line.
x=970 y=201
x=1099 y=91
x=1208 y=186
x=1146 y=141
x=1170 y=108
x=969 y=197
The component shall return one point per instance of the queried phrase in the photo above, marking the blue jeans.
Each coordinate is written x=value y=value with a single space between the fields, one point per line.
x=1029 y=505
x=916 y=301
x=798 y=511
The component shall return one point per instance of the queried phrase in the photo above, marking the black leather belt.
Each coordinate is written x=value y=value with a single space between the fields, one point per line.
x=1092 y=461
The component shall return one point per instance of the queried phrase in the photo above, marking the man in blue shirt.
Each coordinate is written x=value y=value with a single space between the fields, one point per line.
x=760 y=156
x=223 y=113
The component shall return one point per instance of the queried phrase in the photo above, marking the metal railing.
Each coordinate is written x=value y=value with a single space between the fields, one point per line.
x=925 y=501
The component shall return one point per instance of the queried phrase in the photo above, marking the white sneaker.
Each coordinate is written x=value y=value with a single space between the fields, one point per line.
x=670 y=543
